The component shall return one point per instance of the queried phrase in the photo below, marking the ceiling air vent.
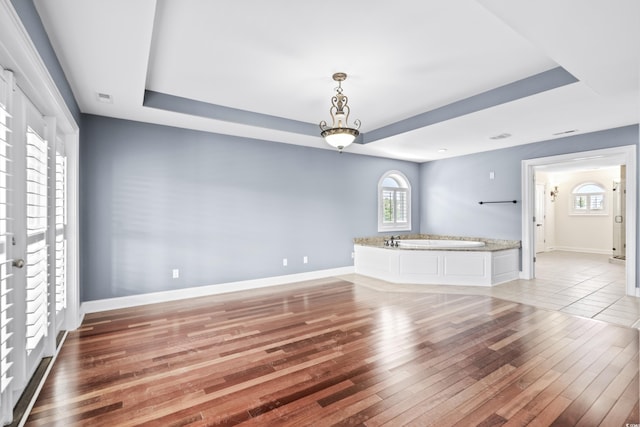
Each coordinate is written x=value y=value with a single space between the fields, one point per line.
x=104 y=98
x=501 y=136
x=565 y=132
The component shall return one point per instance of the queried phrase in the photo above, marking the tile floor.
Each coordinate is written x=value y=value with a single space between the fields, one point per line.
x=585 y=285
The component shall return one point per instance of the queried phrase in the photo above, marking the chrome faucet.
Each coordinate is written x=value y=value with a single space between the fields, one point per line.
x=393 y=241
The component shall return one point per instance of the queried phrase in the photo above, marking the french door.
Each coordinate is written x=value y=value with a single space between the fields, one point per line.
x=33 y=241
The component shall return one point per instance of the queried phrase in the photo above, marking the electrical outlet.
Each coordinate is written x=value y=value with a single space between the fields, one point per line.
x=284 y=262
x=305 y=259
x=175 y=273
x=353 y=255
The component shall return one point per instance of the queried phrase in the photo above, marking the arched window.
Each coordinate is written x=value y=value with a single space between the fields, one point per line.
x=394 y=202
x=588 y=199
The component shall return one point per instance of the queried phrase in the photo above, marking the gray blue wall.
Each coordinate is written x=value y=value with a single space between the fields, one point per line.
x=452 y=188
x=220 y=209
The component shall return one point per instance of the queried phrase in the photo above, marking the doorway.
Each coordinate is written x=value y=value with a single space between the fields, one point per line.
x=613 y=156
x=577 y=214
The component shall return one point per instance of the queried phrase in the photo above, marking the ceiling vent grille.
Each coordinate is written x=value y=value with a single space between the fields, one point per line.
x=501 y=136
x=104 y=98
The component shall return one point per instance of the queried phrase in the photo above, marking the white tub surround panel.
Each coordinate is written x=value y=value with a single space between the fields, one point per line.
x=496 y=262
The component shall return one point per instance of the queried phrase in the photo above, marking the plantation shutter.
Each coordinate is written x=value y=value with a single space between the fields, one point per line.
x=60 y=232
x=388 y=206
x=596 y=202
x=36 y=259
x=6 y=317
x=401 y=206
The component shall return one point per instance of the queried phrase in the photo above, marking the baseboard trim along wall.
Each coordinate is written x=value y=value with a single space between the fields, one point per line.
x=200 y=291
x=582 y=250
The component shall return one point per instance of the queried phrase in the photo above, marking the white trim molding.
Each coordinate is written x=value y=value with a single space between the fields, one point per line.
x=625 y=155
x=581 y=250
x=201 y=291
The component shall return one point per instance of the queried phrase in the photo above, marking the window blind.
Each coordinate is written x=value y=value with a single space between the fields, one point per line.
x=401 y=206
x=596 y=202
x=395 y=209
x=36 y=257
x=6 y=311
x=60 y=224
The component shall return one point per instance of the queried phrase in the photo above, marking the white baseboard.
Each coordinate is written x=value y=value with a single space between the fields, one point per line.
x=199 y=291
x=583 y=250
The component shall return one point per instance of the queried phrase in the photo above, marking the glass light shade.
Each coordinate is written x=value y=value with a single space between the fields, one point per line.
x=340 y=137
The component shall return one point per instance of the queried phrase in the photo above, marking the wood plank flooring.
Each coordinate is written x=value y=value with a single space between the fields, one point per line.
x=334 y=353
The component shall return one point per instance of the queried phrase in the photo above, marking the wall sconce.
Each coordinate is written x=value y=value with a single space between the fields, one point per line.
x=554 y=193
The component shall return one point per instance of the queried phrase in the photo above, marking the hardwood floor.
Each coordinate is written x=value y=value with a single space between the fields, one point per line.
x=334 y=353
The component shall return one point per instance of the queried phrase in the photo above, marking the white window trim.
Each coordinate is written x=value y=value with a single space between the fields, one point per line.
x=382 y=227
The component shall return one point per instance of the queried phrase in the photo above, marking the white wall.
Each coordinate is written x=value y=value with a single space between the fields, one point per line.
x=581 y=233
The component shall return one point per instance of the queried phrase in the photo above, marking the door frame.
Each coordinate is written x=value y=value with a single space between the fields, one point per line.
x=625 y=155
x=542 y=221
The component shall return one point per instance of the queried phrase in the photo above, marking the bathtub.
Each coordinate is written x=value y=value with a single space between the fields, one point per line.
x=439 y=244
x=439 y=261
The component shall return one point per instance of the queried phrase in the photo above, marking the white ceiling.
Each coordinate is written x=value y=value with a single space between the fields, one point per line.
x=277 y=58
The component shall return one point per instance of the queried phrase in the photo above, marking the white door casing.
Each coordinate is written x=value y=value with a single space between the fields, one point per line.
x=539 y=216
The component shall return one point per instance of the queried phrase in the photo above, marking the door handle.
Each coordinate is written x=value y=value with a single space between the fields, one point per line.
x=19 y=263
x=538 y=225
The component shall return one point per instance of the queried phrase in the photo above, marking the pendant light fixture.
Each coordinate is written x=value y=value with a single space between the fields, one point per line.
x=339 y=135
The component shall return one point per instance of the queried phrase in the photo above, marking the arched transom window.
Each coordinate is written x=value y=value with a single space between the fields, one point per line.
x=394 y=202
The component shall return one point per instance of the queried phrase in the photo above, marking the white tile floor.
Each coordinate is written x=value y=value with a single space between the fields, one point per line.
x=586 y=285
